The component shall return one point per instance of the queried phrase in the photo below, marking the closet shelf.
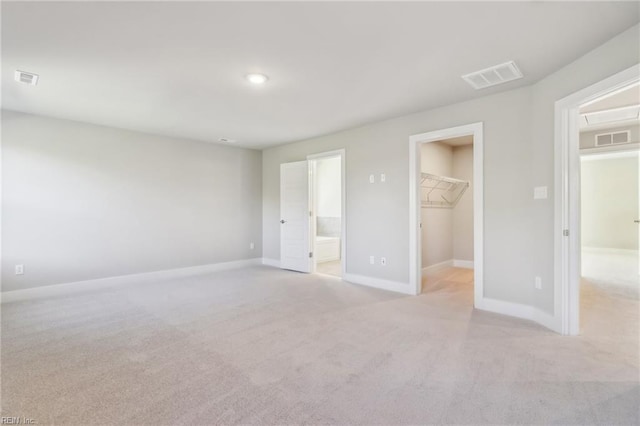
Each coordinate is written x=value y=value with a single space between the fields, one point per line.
x=441 y=191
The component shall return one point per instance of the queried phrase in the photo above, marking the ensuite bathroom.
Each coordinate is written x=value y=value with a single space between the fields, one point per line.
x=328 y=214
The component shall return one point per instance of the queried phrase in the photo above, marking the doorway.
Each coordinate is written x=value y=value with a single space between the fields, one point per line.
x=312 y=209
x=609 y=209
x=446 y=217
x=327 y=212
x=439 y=201
x=609 y=225
x=587 y=124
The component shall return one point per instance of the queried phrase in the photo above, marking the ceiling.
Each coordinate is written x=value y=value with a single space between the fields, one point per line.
x=459 y=141
x=621 y=108
x=628 y=96
x=177 y=69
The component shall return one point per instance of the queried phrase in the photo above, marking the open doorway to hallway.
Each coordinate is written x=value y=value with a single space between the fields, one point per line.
x=610 y=210
x=446 y=190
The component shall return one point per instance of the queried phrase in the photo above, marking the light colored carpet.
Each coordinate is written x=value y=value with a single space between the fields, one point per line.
x=615 y=273
x=265 y=346
x=330 y=268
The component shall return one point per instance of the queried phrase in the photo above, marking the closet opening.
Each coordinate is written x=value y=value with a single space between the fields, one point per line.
x=446 y=216
x=446 y=213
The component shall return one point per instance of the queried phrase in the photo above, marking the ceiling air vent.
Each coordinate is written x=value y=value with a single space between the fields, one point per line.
x=26 y=77
x=492 y=76
x=614 y=138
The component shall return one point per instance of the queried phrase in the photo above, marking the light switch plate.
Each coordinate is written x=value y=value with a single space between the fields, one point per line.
x=383 y=177
x=372 y=179
x=538 y=282
x=540 y=193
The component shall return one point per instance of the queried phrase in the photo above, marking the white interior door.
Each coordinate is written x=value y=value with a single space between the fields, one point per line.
x=295 y=247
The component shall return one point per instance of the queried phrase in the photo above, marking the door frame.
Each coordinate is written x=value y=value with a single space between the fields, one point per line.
x=567 y=196
x=312 y=198
x=415 y=240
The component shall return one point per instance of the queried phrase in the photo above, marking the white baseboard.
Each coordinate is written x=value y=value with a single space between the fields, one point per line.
x=271 y=262
x=456 y=263
x=547 y=320
x=396 y=286
x=466 y=264
x=605 y=250
x=88 y=285
x=383 y=284
x=505 y=308
x=437 y=266
x=518 y=310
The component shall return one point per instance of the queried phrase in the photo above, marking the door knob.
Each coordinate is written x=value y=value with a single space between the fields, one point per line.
x=636 y=221
x=282 y=221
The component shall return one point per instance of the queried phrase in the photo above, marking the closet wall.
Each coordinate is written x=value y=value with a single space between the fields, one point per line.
x=447 y=234
x=463 y=212
x=437 y=224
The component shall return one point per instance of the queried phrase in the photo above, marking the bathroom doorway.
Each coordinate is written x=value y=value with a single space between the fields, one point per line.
x=327 y=212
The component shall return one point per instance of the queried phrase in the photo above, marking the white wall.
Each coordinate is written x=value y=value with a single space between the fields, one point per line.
x=82 y=201
x=609 y=196
x=329 y=189
x=437 y=224
x=462 y=168
x=377 y=214
x=588 y=138
x=518 y=155
x=620 y=53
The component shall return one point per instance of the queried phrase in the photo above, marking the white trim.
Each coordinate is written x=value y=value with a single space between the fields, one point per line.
x=567 y=196
x=89 y=285
x=465 y=264
x=610 y=155
x=506 y=308
x=326 y=154
x=343 y=220
x=608 y=250
x=437 y=266
x=545 y=319
x=587 y=152
x=518 y=310
x=415 y=249
x=455 y=263
x=271 y=262
x=396 y=286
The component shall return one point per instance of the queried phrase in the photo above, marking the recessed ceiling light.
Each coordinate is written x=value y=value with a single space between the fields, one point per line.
x=225 y=140
x=257 y=78
x=26 y=77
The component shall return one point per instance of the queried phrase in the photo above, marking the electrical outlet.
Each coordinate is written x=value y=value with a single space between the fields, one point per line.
x=383 y=261
x=252 y=246
x=372 y=260
x=19 y=269
x=538 y=283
